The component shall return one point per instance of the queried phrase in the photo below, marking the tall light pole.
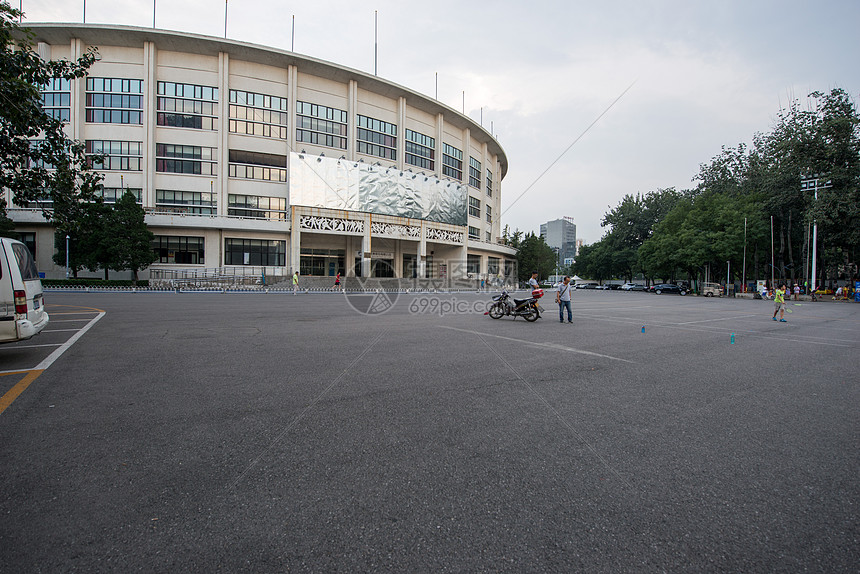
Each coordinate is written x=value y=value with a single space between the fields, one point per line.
x=744 y=270
x=67 y=256
x=806 y=183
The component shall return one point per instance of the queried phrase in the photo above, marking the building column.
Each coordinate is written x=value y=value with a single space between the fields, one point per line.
x=401 y=133
x=295 y=241
x=223 y=132
x=150 y=85
x=366 y=246
x=421 y=260
x=440 y=135
x=352 y=114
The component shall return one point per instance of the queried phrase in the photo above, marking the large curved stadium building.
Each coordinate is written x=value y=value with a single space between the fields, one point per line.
x=253 y=160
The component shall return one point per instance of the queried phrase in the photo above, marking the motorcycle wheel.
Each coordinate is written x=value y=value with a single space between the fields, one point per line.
x=496 y=311
x=531 y=316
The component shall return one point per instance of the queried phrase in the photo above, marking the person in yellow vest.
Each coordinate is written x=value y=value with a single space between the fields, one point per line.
x=779 y=303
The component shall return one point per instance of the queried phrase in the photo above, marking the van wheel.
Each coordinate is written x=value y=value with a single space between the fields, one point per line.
x=658 y=291
x=709 y=294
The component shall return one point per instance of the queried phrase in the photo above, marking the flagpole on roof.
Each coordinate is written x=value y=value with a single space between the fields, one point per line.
x=226 y=2
x=375 y=39
x=153 y=13
x=293 y=44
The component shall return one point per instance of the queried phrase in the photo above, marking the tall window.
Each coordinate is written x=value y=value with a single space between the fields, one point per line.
x=190 y=159
x=57 y=98
x=490 y=183
x=187 y=106
x=474 y=233
x=114 y=101
x=28 y=238
x=256 y=165
x=177 y=249
x=321 y=125
x=118 y=155
x=473 y=264
x=489 y=213
x=257 y=207
x=322 y=261
x=420 y=150
x=474 y=173
x=259 y=252
x=191 y=202
x=452 y=162
x=377 y=138
x=474 y=207
x=258 y=115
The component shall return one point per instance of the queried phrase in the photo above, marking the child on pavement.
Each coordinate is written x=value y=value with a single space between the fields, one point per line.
x=779 y=304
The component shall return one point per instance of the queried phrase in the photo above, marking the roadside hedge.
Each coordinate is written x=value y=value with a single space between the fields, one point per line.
x=93 y=283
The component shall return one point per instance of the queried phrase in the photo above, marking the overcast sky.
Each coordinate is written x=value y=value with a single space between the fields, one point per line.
x=704 y=74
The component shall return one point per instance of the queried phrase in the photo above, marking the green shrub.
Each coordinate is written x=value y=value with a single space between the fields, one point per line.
x=93 y=282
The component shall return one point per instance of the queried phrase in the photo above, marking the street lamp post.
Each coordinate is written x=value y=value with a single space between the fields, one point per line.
x=806 y=183
x=744 y=271
x=67 y=257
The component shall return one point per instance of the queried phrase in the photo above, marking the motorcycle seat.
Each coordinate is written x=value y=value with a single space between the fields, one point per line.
x=519 y=302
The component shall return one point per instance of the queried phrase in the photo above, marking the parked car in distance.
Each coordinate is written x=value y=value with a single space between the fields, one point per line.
x=712 y=290
x=604 y=287
x=661 y=288
x=632 y=287
x=587 y=286
x=22 y=308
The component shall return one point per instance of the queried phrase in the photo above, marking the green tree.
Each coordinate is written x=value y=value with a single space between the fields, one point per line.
x=89 y=241
x=7 y=226
x=535 y=254
x=33 y=145
x=129 y=240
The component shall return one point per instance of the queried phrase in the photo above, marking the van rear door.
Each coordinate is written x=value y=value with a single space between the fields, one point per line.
x=8 y=331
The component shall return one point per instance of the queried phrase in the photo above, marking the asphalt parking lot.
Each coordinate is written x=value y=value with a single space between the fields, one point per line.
x=411 y=433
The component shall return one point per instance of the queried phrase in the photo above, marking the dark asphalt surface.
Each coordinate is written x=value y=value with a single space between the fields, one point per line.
x=276 y=433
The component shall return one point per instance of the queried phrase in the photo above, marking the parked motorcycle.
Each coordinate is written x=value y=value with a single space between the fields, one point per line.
x=528 y=309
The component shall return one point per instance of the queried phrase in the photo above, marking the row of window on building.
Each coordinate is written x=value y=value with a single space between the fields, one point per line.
x=120 y=101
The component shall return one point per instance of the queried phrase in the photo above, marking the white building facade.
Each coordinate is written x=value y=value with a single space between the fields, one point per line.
x=258 y=160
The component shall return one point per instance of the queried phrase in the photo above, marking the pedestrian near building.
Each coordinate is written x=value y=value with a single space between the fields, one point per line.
x=562 y=297
x=337 y=282
x=796 y=291
x=295 y=282
x=779 y=304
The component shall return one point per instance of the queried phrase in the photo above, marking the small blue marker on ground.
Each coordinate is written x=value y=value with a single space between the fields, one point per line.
x=733 y=338
x=643 y=328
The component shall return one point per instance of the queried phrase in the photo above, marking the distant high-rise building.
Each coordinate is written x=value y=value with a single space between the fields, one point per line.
x=560 y=234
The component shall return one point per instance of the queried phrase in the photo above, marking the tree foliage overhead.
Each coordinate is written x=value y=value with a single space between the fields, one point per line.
x=725 y=221
x=37 y=159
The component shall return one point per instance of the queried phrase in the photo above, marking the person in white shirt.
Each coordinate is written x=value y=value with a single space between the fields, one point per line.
x=562 y=297
x=533 y=282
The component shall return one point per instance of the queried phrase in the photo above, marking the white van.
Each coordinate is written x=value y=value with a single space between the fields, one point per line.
x=22 y=308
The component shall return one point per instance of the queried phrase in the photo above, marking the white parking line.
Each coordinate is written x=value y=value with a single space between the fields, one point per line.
x=553 y=346
x=49 y=360
x=720 y=319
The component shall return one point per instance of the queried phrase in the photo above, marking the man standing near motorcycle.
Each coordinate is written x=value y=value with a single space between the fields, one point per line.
x=562 y=297
x=533 y=282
